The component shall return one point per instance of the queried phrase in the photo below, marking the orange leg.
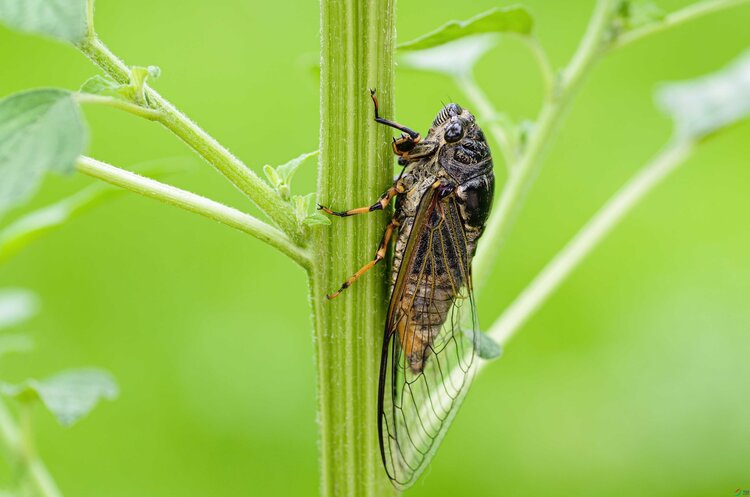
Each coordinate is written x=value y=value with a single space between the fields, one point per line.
x=379 y=256
x=381 y=204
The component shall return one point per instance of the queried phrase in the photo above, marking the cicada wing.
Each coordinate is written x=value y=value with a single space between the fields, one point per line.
x=431 y=336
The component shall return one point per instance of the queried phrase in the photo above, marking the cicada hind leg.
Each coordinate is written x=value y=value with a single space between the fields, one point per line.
x=379 y=256
x=381 y=204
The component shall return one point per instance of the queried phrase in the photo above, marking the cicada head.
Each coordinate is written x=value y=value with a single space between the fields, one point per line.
x=464 y=152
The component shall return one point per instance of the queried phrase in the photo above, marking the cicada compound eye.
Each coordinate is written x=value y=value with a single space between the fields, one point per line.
x=454 y=132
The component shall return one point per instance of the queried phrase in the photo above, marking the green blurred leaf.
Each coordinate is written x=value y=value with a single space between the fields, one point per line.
x=636 y=14
x=16 y=306
x=488 y=348
x=69 y=395
x=455 y=59
x=37 y=223
x=40 y=130
x=10 y=344
x=33 y=225
x=61 y=19
x=513 y=19
x=704 y=105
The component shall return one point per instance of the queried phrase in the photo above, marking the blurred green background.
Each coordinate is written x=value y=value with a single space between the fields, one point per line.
x=634 y=379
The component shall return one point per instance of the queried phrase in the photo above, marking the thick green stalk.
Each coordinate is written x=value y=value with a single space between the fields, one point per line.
x=357 y=45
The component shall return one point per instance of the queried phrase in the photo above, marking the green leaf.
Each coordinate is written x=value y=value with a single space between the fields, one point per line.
x=704 y=105
x=513 y=19
x=281 y=177
x=307 y=214
x=286 y=171
x=33 y=225
x=16 y=306
x=272 y=175
x=37 y=223
x=488 y=348
x=134 y=91
x=636 y=14
x=456 y=59
x=69 y=395
x=302 y=205
x=316 y=219
x=61 y=19
x=40 y=131
x=103 y=85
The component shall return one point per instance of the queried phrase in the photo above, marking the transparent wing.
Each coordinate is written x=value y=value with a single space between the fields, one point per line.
x=431 y=336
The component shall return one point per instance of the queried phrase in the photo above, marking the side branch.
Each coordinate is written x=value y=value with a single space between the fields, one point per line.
x=201 y=142
x=116 y=103
x=551 y=115
x=12 y=439
x=560 y=267
x=194 y=203
x=676 y=18
x=481 y=103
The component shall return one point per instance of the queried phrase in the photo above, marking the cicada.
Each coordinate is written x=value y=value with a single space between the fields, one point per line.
x=442 y=200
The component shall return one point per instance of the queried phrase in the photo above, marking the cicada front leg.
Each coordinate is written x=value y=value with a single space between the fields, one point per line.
x=381 y=204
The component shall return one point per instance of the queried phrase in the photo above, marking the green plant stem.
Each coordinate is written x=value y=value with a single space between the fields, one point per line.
x=676 y=18
x=10 y=433
x=546 y=68
x=116 y=103
x=356 y=164
x=280 y=212
x=19 y=442
x=37 y=471
x=589 y=51
x=547 y=124
x=194 y=203
x=90 y=31
x=563 y=264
